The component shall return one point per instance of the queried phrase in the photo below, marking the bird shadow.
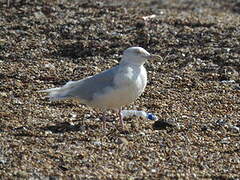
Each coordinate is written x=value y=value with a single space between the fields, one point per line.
x=161 y=125
x=59 y=104
x=68 y=127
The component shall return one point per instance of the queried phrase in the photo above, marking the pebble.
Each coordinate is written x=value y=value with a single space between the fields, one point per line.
x=3 y=94
x=234 y=128
x=225 y=140
x=97 y=143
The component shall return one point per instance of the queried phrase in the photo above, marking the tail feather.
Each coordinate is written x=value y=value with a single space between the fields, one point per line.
x=60 y=92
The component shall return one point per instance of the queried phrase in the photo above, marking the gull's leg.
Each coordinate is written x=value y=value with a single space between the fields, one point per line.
x=104 y=124
x=102 y=117
x=120 y=117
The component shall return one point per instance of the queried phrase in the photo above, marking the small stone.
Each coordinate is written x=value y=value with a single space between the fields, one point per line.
x=225 y=141
x=39 y=15
x=234 y=128
x=49 y=65
x=72 y=116
x=2 y=42
x=17 y=102
x=153 y=170
x=142 y=134
x=122 y=140
x=204 y=128
x=97 y=143
x=3 y=160
x=3 y=94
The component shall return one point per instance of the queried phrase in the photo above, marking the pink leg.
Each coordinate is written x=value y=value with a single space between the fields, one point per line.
x=104 y=124
x=120 y=117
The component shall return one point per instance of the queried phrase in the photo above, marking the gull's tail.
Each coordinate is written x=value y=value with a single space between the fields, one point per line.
x=60 y=92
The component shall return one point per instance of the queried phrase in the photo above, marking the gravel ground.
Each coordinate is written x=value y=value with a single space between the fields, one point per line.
x=195 y=91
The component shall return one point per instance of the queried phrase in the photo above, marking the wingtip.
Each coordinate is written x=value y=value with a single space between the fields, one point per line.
x=42 y=91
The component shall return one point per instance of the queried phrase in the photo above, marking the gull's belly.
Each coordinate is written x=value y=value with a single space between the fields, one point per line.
x=115 y=98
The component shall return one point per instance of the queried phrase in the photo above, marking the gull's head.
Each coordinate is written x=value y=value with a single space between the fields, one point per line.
x=136 y=55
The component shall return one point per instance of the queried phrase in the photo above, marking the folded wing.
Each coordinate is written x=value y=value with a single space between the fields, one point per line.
x=84 y=89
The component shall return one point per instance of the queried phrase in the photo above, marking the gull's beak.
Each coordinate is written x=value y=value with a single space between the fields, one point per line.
x=153 y=56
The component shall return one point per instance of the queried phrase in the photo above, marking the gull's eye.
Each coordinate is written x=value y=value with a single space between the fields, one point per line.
x=138 y=51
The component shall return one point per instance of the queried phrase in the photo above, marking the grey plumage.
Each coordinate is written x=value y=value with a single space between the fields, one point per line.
x=87 y=86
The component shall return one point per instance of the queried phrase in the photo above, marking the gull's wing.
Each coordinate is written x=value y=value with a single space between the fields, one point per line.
x=85 y=89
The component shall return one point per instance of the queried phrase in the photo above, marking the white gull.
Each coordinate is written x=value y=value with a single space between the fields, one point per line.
x=110 y=89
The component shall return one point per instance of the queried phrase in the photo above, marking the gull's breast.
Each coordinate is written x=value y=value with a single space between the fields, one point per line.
x=130 y=82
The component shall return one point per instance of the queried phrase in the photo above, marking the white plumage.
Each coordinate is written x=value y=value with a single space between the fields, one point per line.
x=110 y=89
